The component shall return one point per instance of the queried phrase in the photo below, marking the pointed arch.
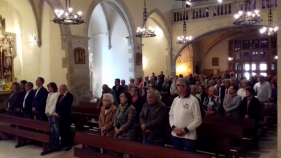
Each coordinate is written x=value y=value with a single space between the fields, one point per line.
x=120 y=7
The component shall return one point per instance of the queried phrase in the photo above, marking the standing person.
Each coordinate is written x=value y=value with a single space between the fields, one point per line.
x=123 y=84
x=14 y=100
x=160 y=83
x=232 y=102
x=26 y=103
x=137 y=102
x=22 y=85
x=263 y=90
x=63 y=113
x=173 y=89
x=51 y=113
x=211 y=104
x=151 y=119
x=146 y=82
x=107 y=116
x=250 y=106
x=185 y=117
x=162 y=76
x=39 y=100
x=202 y=93
x=106 y=89
x=242 y=91
x=165 y=93
x=125 y=118
x=117 y=89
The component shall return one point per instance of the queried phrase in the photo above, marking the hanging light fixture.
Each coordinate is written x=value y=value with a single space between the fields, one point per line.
x=269 y=31
x=145 y=32
x=66 y=17
x=184 y=39
x=247 y=17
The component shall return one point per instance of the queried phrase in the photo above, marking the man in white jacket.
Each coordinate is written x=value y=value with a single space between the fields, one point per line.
x=185 y=117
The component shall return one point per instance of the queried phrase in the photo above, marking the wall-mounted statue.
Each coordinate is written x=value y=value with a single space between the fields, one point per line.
x=7 y=52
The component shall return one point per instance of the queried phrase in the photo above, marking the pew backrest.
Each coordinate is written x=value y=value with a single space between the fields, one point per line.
x=129 y=147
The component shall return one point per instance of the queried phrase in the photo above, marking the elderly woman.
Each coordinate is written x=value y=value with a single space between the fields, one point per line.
x=211 y=104
x=14 y=99
x=193 y=92
x=125 y=118
x=107 y=115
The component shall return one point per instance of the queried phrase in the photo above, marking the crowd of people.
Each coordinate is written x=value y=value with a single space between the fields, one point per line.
x=185 y=100
x=52 y=104
x=146 y=104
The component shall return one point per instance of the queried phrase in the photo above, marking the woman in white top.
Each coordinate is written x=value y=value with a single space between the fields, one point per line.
x=51 y=113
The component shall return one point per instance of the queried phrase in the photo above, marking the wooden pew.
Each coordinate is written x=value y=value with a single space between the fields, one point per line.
x=83 y=116
x=127 y=147
x=37 y=130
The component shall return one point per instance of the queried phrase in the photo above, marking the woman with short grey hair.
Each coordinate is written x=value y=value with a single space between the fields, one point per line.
x=107 y=115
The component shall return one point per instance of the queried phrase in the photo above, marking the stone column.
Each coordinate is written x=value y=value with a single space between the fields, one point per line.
x=279 y=79
x=169 y=62
x=78 y=75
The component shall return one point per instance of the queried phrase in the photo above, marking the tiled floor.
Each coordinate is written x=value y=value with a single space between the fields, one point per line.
x=268 y=149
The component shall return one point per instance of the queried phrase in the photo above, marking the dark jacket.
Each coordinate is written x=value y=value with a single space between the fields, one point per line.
x=160 y=84
x=153 y=117
x=63 y=107
x=166 y=88
x=39 y=101
x=215 y=105
x=13 y=101
x=127 y=123
x=118 y=92
x=253 y=110
x=28 y=102
x=111 y=91
x=138 y=106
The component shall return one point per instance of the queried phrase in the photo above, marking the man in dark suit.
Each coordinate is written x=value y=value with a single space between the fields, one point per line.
x=162 y=76
x=14 y=99
x=39 y=100
x=160 y=83
x=63 y=113
x=25 y=105
x=117 y=89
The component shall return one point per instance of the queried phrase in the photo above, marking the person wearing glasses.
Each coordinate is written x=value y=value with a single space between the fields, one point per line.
x=51 y=113
x=107 y=115
x=125 y=118
x=184 y=118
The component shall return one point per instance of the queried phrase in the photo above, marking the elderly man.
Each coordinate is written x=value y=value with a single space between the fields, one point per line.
x=63 y=113
x=151 y=120
x=263 y=90
x=106 y=89
x=185 y=117
x=242 y=91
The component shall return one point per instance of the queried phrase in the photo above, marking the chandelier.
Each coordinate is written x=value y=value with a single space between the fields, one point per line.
x=184 y=39
x=66 y=17
x=247 y=17
x=269 y=31
x=145 y=32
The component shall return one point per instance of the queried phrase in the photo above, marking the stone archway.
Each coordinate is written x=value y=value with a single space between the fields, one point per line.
x=120 y=7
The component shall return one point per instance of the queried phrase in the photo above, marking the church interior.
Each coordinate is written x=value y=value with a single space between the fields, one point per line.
x=86 y=47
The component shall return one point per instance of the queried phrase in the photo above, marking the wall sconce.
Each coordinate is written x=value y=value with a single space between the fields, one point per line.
x=230 y=58
x=276 y=57
x=34 y=38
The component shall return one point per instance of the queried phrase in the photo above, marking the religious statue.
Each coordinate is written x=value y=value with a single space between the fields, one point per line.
x=6 y=53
